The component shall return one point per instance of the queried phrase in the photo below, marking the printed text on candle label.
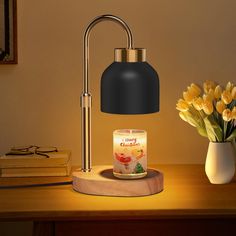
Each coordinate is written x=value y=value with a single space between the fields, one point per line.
x=129 y=142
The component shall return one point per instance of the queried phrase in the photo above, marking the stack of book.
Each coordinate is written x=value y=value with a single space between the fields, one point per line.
x=57 y=164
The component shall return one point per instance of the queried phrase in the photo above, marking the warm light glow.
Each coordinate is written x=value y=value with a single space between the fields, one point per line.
x=130 y=153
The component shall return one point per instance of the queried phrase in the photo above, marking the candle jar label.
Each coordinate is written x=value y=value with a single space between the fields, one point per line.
x=130 y=153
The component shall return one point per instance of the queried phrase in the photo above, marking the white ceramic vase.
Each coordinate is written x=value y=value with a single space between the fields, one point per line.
x=220 y=162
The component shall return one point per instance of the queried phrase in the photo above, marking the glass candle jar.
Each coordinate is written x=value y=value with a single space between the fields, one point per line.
x=130 y=153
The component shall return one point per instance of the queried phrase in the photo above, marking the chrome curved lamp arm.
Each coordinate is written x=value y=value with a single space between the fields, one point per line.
x=86 y=98
x=86 y=42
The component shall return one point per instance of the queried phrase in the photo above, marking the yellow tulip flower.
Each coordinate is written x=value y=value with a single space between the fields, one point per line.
x=233 y=93
x=188 y=97
x=226 y=97
x=211 y=94
x=217 y=92
x=229 y=86
x=182 y=105
x=233 y=113
x=194 y=90
x=227 y=115
x=208 y=97
x=197 y=103
x=207 y=107
x=207 y=85
x=220 y=106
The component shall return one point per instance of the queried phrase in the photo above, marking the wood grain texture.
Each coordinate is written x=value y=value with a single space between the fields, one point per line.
x=100 y=181
x=44 y=229
x=167 y=227
x=187 y=194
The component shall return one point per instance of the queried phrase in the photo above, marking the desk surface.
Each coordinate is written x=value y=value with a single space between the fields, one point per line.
x=187 y=193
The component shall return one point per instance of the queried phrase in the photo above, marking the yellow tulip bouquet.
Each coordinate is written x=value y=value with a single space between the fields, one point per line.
x=211 y=109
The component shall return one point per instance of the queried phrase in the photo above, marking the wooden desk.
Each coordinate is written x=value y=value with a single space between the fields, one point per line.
x=189 y=205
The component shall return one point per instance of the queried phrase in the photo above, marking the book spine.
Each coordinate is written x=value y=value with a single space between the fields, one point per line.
x=35 y=172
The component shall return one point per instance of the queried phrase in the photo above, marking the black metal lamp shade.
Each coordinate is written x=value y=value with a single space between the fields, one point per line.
x=130 y=88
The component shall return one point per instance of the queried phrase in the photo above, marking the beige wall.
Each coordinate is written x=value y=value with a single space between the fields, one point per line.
x=187 y=41
x=2 y=43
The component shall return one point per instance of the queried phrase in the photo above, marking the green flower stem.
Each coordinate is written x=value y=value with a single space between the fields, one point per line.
x=224 y=130
x=202 y=114
x=231 y=128
x=232 y=104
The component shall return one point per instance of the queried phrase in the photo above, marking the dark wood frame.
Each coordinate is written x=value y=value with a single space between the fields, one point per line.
x=14 y=14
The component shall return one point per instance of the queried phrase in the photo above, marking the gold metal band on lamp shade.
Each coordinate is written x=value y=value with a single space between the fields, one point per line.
x=130 y=54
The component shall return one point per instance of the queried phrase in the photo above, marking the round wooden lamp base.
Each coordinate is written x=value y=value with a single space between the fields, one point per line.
x=100 y=181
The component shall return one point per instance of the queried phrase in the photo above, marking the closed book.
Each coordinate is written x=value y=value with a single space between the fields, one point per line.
x=35 y=171
x=55 y=159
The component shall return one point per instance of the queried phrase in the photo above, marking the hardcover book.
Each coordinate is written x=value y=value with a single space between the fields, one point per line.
x=57 y=164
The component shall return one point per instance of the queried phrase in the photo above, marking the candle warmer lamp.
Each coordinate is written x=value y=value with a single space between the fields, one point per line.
x=128 y=86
